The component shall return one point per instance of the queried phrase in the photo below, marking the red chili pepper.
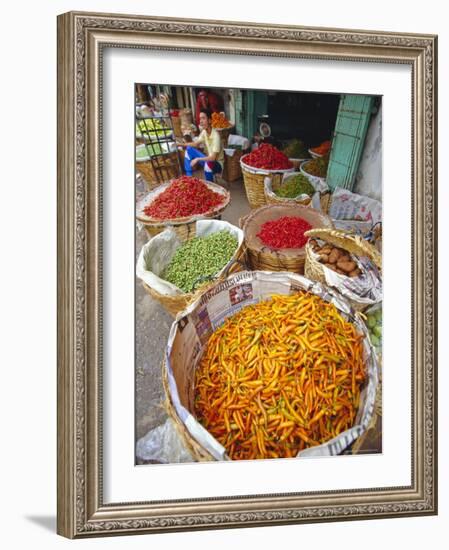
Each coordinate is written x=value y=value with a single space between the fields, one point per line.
x=185 y=196
x=268 y=157
x=286 y=232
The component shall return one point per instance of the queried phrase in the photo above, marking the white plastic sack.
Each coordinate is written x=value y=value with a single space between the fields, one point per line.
x=157 y=253
x=243 y=142
x=163 y=444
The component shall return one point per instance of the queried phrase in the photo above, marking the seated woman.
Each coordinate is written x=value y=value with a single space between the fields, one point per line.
x=213 y=160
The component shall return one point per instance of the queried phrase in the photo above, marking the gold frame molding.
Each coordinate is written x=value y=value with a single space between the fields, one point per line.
x=81 y=39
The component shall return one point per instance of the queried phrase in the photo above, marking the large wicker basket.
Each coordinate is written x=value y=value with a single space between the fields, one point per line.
x=254 y=179
x=179 y=376
x=155 y=172
x=354 y=244
x=263 y=258
x=232 y=170
x=184 y=227
x=176 y=303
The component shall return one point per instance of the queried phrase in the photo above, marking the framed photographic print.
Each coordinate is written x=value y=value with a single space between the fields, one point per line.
x=246 y=274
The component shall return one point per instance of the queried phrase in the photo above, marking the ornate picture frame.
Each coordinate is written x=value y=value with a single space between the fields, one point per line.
x=82 y=38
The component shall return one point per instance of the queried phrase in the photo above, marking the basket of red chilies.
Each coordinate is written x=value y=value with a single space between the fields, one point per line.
x=265 y=161
x=274 y=236
x=179 y=204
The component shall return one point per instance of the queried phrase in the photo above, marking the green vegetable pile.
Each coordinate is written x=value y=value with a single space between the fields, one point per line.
x=152 y=128
x=199 y=259
x=294 y=186
x=296 y=149
x=374 y=324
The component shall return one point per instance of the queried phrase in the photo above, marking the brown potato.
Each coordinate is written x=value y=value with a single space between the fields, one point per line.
x=347 y=267
x=355 y=273
x=326 y=249
x=334 y=256
x=340 y=271
x=323 y=258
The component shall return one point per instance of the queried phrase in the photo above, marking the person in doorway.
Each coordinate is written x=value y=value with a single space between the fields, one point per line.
x=213 y=158
x=209 y=100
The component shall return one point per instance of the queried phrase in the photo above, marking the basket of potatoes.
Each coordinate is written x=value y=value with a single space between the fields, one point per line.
x=344 y=254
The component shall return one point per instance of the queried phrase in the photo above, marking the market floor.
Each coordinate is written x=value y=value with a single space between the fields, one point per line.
x=153 y=325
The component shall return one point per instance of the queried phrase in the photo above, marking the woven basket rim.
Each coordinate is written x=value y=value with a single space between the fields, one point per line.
x=190 y=219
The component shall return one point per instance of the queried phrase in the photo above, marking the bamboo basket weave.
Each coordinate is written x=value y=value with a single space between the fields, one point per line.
x=198 y=452
x=352 y=243
x=185 y=231
x=178 y=302
x=263 y=258
x=232 y=170
x=168 y=168
x=254 y=179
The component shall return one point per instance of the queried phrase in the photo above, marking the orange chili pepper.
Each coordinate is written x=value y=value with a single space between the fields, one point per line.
x=270 y=373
